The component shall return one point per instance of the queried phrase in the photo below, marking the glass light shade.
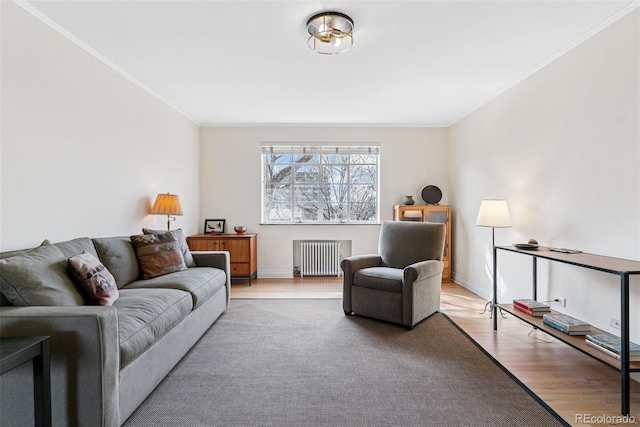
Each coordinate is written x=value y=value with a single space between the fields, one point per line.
x=167 y=204
x=330 y=33
x=493 y=213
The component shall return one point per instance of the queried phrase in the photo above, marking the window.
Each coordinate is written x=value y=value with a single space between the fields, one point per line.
x=320 y=184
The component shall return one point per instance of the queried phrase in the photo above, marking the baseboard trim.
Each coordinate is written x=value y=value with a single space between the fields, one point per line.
x=275 y=274
x=480 y=291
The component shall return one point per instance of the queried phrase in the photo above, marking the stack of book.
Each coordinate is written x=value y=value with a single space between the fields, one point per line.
x=610 y=344
x=566 y=324
x=531 y=307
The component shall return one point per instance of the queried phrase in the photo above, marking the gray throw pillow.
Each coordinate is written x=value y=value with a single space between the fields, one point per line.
x=184 y=247
x=38 y=277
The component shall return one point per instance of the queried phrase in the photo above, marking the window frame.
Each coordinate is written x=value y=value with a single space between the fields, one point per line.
x=322 y=150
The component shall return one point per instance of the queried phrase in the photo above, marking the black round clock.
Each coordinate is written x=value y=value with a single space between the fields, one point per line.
x=431 y=195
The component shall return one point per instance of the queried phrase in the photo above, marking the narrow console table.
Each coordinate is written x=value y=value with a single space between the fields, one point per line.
x=620 y=267
x=14 y=351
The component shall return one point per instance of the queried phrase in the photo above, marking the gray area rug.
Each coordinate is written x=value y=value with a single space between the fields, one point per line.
x=304 y=363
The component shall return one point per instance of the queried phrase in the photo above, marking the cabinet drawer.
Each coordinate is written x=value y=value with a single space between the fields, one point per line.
x=240 y=269
x=202 y=245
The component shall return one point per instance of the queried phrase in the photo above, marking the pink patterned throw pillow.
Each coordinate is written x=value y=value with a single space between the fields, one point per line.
x=88 y=271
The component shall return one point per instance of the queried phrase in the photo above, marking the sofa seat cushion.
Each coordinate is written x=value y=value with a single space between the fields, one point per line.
x=145 y=315
x=200 y=282
x=379 y=278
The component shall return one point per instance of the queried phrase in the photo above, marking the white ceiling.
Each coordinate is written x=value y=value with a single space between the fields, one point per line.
x=413 y=63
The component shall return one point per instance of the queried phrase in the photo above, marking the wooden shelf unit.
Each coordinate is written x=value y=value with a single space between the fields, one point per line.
x=242 y=248
x=623 y=268
x=430 y=213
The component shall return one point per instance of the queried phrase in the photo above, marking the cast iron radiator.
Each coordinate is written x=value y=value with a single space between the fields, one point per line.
x=320 y=258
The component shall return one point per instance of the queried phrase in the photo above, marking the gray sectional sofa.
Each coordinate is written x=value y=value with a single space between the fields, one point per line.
x=105 y=360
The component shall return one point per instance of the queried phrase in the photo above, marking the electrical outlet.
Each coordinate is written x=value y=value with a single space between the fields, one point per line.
x=615 y=323
x=561 y=301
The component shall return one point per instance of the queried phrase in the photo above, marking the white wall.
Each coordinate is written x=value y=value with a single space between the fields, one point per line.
x=83 y=150
x=411 y=158
x=563 y=147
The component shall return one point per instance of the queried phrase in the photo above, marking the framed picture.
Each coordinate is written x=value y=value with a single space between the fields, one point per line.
x=214 y=226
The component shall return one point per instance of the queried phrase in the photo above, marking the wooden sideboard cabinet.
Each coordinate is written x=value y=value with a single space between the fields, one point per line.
x=242 y=248
x=430 y=213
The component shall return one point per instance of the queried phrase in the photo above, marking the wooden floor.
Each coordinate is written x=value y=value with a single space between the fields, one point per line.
x=576 y=386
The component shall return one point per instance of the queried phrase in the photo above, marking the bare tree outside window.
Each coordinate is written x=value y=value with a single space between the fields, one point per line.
x=320 y=184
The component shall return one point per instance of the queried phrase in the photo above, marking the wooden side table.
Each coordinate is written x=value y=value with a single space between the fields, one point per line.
x=14 y=351
x=242 y=248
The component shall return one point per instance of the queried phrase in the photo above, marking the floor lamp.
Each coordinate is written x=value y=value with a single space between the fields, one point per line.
x=493 y=213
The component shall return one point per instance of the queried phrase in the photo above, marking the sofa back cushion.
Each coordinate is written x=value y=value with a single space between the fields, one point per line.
x=76 y=247
x=38 y=277
x=4 y=301
x=119 y=257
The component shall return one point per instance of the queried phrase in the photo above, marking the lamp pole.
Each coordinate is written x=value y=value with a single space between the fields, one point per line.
x=493 y=213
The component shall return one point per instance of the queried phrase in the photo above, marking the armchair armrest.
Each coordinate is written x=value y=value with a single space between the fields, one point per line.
x=215 y=259
x=85 y=359
x=422 y=270
x=421 y=286
x=359 y=262
x=349 y=266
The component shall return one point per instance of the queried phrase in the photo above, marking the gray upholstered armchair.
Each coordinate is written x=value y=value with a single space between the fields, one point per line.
x=402 y=283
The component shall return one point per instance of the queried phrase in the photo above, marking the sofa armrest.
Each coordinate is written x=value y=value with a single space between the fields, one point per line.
x=349 y=266
x=215 y=259
x=85 y=359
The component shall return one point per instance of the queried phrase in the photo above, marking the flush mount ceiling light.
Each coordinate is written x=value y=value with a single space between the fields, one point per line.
x=331 y=33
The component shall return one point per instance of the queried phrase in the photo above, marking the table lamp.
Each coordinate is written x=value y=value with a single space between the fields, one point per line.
x=169 y=205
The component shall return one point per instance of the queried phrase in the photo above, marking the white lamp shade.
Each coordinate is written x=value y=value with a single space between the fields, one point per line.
x=493 y=213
